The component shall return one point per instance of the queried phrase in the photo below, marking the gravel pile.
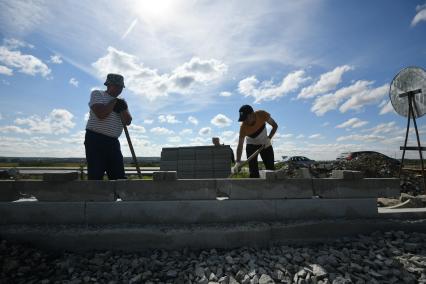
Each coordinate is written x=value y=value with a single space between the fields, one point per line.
x=391 y=257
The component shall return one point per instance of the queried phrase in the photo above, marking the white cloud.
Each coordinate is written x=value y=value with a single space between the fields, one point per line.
x=358 y=95
x=174 y=139
x=161 y=131
x=14 y=129
x=6 y=71
x=137 y=128
x=55 y=59
x=73 y=82
x=86 y=116
x=13 y=43
x=352 y=123
x=420 y=15
x=205 y=131
x=228 y=133
x=363 y=138
x=148 y=121
x=267 y=91
x=221 y=120
x=185 y=132
x=193 y=120
x=168 y=119
x=384 y=128
x=225 y=94
x=327 y=82
x=24 y=63
x=1 y=117
x=300 y=136
x=59 y=121
x=368 y=97
x=315 y=136
x=148 y=83
x=387 y=108
x=325 y=124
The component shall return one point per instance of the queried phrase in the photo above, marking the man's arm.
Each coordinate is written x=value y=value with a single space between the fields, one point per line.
x=127 y=117
x=101 y=111
x=274 y=125
x=240 y=148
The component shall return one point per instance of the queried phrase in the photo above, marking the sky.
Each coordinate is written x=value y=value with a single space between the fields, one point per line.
x=321 y=68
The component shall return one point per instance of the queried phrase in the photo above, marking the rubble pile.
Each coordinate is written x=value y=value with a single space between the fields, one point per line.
x=382 y=257
x=372 y=166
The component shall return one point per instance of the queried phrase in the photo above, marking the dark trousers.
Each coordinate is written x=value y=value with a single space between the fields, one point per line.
x=267 y=158
x=103 y=154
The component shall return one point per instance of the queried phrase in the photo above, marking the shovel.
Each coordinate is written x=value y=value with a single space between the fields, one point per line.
x=135 y=161
x=249 y=159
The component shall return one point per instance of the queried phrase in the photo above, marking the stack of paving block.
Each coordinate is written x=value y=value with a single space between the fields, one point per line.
x=197 y=162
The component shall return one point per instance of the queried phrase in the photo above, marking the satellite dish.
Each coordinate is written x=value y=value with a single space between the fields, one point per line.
x=410 y=80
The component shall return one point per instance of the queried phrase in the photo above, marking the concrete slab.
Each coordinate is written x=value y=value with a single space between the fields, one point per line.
x=345 y=174
x=144 y=190
x=42 y=213
x=363 y=188
x=404 y=213
x=180 y=212
x=250 y=234
x=89 y=190
x=8 y=191
x=326 y=208
x=265 y=189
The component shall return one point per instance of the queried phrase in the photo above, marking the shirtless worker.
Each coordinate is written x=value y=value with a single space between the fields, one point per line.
x=253 y=129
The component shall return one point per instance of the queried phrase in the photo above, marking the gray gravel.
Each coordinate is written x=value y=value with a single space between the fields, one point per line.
x=390 y=257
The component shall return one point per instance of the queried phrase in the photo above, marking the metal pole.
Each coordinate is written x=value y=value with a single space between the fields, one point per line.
x=418 y=144
x=406 y=135
x=135 y=161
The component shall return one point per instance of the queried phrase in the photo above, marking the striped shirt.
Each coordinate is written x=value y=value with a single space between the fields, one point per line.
x=111 y=125
x=256 y=133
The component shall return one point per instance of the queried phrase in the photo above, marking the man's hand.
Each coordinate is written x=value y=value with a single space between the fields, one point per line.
x=120 y=106
x=268 y=143
x=236 y=168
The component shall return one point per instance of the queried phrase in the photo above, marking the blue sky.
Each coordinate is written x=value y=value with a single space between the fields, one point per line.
x=321 y=68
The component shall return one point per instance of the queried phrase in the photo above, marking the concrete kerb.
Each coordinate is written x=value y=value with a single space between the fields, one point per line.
x=362 y=188
x=250 y=234
x=183 y=212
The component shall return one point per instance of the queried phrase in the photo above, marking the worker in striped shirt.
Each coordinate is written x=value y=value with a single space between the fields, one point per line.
x=105 y=125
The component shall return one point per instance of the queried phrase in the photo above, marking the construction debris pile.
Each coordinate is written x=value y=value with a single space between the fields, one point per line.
x=389 y=257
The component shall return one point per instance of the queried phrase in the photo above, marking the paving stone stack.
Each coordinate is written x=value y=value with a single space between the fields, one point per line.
x=197 y=162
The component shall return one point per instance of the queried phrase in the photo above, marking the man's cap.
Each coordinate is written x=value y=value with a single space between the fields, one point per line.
x=245 y=110
x=114 y=79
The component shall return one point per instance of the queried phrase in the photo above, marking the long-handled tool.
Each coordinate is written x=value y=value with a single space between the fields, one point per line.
x=250 y=158
x=135 y=161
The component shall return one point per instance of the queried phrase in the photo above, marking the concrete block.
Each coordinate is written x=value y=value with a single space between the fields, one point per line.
x=203 y=154
x=303 y=173
x=204 y=174
x=58 y=177
x=222 y=174
x=79 y=190
x=164 y=176
x=362 y=188
x=186 y=175
x=280 y=175
x=204 y=165
x=168 y=165
x=267 y=174
x=169 y=154
x=186 y=153
x=186 y=165
x=345 y=174
x=221 y=164
x=222 y=152
x=179 y=212
x=42 y=213
x=193 y=189
x=319 y=208
x=265 y=189
x=8 y=191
